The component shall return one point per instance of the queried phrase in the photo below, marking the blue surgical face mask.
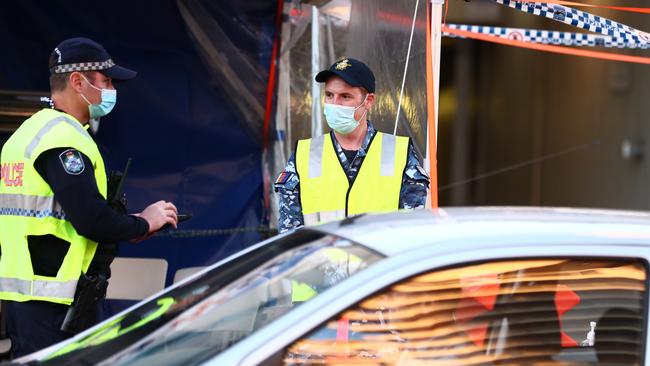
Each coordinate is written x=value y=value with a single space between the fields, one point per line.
x=341 y=118
x=109 y=98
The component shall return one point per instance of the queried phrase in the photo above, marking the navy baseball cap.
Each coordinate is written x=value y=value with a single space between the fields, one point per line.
x=354 y=72
x=83 y=54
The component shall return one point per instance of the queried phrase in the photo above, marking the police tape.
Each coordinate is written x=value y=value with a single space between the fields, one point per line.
x=548 y=37
x=548 y=47
x=580 y=19
x=198 y=233
x=609 y=7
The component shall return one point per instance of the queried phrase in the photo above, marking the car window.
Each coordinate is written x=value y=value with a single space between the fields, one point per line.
x=249 y=303
x=523 y=312
x=221 y=306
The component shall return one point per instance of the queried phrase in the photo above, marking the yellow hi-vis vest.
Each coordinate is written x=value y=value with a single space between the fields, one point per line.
x=325 y=192
x=28 y=207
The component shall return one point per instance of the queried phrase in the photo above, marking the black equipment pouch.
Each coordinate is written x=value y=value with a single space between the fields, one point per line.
x=84 y=311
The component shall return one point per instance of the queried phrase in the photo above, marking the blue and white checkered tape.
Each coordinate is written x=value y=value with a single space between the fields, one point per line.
x=580 y=19
x=12 y=211
x=550 y=37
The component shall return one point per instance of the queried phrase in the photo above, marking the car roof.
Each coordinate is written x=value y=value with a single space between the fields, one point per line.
x=472 y=227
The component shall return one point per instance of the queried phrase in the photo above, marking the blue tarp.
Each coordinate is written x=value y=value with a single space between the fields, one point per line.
x=187 y=143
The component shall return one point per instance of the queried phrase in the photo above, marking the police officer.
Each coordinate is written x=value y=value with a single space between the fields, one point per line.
x=53 y=208
x=353 y=169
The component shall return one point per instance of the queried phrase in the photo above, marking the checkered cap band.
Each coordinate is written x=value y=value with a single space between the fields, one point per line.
x=83 y=66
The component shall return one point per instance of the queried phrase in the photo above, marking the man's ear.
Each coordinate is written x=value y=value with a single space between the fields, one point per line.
x=370 y=100
x=75 y=81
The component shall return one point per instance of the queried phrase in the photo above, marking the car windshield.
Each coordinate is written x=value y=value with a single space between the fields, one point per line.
x=219 y=318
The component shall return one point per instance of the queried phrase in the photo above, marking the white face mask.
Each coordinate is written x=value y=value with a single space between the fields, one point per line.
x=341 y=118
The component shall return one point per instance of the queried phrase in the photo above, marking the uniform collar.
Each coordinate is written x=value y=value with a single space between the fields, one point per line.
x=370 y=133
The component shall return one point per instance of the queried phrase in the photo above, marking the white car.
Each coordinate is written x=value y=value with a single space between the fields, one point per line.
x=459 y=286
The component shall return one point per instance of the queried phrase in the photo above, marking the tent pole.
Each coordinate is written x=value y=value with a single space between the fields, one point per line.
x=434 y=32
x=316 y=123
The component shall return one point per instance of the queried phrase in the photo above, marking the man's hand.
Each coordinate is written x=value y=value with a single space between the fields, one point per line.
x=159 y=214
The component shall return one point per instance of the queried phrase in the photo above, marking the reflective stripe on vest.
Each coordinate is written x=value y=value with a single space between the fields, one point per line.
x=49 y=126
x=323 y=216
x=30 y=206
x=388 y=155
x=325 y=191
x=38 y=287
x=316 y=157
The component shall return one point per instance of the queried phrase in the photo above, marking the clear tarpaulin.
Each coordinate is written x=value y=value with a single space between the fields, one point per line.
x=228 y=38
x=374 y=31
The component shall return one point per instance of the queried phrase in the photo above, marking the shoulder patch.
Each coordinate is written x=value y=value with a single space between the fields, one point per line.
x=283 y=177
x=73 y=162
x=287 y=181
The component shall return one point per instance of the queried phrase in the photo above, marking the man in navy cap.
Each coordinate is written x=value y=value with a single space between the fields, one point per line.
x=354 y=169
x=53 y=208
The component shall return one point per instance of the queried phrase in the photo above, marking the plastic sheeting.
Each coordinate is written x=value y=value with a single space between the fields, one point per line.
x=181 y=119
x=374 y=31
x=229 y=39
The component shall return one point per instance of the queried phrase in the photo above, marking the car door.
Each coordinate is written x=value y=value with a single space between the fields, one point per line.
x=582 y=303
